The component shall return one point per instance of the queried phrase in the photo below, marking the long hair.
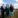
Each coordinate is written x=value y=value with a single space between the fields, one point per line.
x=11 y=8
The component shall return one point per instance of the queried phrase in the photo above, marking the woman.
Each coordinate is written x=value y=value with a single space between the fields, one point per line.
x=11 y=10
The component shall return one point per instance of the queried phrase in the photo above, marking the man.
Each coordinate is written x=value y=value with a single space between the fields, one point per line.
x=7 y=9
x=2 y=11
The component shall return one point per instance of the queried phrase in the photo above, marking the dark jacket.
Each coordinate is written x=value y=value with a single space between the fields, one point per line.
x=7 y=11
x=11 y=8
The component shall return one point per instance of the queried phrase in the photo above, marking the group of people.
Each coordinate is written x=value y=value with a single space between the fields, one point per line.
x=7 y=9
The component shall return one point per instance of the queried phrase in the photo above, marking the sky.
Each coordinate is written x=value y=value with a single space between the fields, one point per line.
x=10 y=1
x=15 y=2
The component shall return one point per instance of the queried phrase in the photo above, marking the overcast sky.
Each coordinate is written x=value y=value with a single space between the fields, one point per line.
x=15 y=2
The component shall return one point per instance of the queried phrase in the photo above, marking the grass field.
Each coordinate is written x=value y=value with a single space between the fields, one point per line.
x=16 y=16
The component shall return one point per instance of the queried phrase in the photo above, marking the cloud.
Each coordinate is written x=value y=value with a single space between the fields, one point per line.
x=16 y=6
x=16 y=0
x=0 y=2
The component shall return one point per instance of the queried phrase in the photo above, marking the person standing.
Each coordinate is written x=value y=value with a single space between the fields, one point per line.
x=2 y=11
x=11 y=11
x=7 y=9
